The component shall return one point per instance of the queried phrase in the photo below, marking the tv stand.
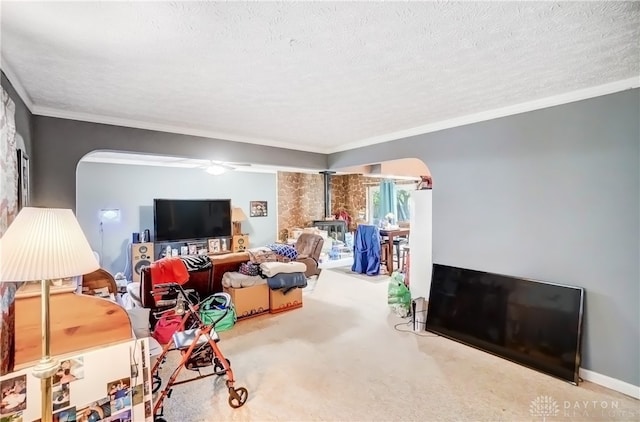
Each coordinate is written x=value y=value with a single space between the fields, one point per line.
x=161 y=247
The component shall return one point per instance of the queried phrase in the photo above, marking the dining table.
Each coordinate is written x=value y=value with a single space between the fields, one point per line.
x=391 y=234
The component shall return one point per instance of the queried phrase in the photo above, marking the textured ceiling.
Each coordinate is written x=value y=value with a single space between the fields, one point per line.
x=316 y=76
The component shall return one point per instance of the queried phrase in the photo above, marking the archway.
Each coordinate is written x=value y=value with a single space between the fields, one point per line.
x=128 y=182
x=414 y=180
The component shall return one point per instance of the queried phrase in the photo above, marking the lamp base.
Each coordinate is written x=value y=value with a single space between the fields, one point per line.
x=237 y=228
x=45 y=368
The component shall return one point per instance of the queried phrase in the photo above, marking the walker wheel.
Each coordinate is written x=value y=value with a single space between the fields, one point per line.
x=237 y=396
x=218 y=368
x=159 y=420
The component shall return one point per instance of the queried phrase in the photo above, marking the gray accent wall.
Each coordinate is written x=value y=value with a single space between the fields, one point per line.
x=131 y=189
x=61 y=143
x=553 y=195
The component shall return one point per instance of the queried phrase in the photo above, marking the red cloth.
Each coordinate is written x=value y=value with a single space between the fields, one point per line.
x=169 y=270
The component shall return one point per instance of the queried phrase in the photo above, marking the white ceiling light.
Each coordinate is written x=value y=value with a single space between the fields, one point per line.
x=216 y=169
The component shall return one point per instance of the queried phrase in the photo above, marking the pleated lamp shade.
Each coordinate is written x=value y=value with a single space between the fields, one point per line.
x=237 y=214
x=45 y=244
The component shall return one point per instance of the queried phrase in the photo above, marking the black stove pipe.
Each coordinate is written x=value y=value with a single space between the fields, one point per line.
x=327 y=192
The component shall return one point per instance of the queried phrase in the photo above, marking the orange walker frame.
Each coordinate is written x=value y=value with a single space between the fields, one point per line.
x=187 y=341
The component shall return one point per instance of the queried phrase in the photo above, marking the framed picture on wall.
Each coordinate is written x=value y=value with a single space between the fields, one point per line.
x=23 y=179
x=258 y=208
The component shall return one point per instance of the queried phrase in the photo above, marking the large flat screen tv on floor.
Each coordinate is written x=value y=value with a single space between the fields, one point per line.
x=189 y=219
x=534 y=323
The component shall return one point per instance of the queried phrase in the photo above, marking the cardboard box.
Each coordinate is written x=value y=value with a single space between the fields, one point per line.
x=249 y=301
x=280 y=302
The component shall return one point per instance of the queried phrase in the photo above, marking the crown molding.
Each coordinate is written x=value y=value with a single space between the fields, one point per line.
x=546 y=102
x=15 y=82
x=542 y=103
x=137 y=124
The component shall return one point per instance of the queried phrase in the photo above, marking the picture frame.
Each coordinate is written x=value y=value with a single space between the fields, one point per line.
x=258 y=209
x=193 y=249
x=225 y=244
x=214 y=245
x=23 y=179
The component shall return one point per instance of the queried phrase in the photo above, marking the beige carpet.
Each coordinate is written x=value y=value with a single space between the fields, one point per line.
x=380 y=278
x=339 y=358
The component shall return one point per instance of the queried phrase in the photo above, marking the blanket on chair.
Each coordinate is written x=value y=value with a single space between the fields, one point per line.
x=169 y=270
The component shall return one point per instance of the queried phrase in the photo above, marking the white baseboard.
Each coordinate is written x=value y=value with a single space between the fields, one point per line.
x=611 y=383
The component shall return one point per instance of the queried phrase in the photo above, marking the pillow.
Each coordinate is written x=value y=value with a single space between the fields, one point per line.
x=140 y=321
x=133 y=289
x=285 y=250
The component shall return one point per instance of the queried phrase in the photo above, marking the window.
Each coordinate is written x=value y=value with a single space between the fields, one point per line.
x=403 y=211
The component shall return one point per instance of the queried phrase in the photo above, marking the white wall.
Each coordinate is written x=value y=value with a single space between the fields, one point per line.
x=421 y=262
x=132 y=190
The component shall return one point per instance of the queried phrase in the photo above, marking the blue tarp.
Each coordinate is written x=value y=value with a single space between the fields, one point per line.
x=366 y=250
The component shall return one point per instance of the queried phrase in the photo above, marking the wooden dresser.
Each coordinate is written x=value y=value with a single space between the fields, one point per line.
x=78 y=322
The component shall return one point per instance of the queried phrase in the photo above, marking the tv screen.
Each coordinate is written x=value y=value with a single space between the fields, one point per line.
x=187 y=219
x=534 y=323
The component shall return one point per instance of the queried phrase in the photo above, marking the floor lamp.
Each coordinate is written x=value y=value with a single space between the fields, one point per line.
x=44 y=244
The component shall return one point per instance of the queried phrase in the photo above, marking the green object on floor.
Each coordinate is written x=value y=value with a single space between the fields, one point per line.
x=211 y=311
x=398 y=295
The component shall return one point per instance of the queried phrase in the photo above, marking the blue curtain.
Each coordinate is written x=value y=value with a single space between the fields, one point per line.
x=403 y=205
x=388 y=199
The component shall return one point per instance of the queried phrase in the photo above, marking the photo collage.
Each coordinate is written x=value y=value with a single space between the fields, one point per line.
x=120 y=395
x=14 y=397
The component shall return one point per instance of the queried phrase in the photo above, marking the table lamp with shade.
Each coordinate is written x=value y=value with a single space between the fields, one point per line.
x=44 y=244
x=237 y=216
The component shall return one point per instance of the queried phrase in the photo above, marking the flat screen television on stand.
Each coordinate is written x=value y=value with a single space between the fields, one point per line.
x=533 y=323
x=191 y=219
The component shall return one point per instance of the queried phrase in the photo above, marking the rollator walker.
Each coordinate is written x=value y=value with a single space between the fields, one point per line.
x=197 y=342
